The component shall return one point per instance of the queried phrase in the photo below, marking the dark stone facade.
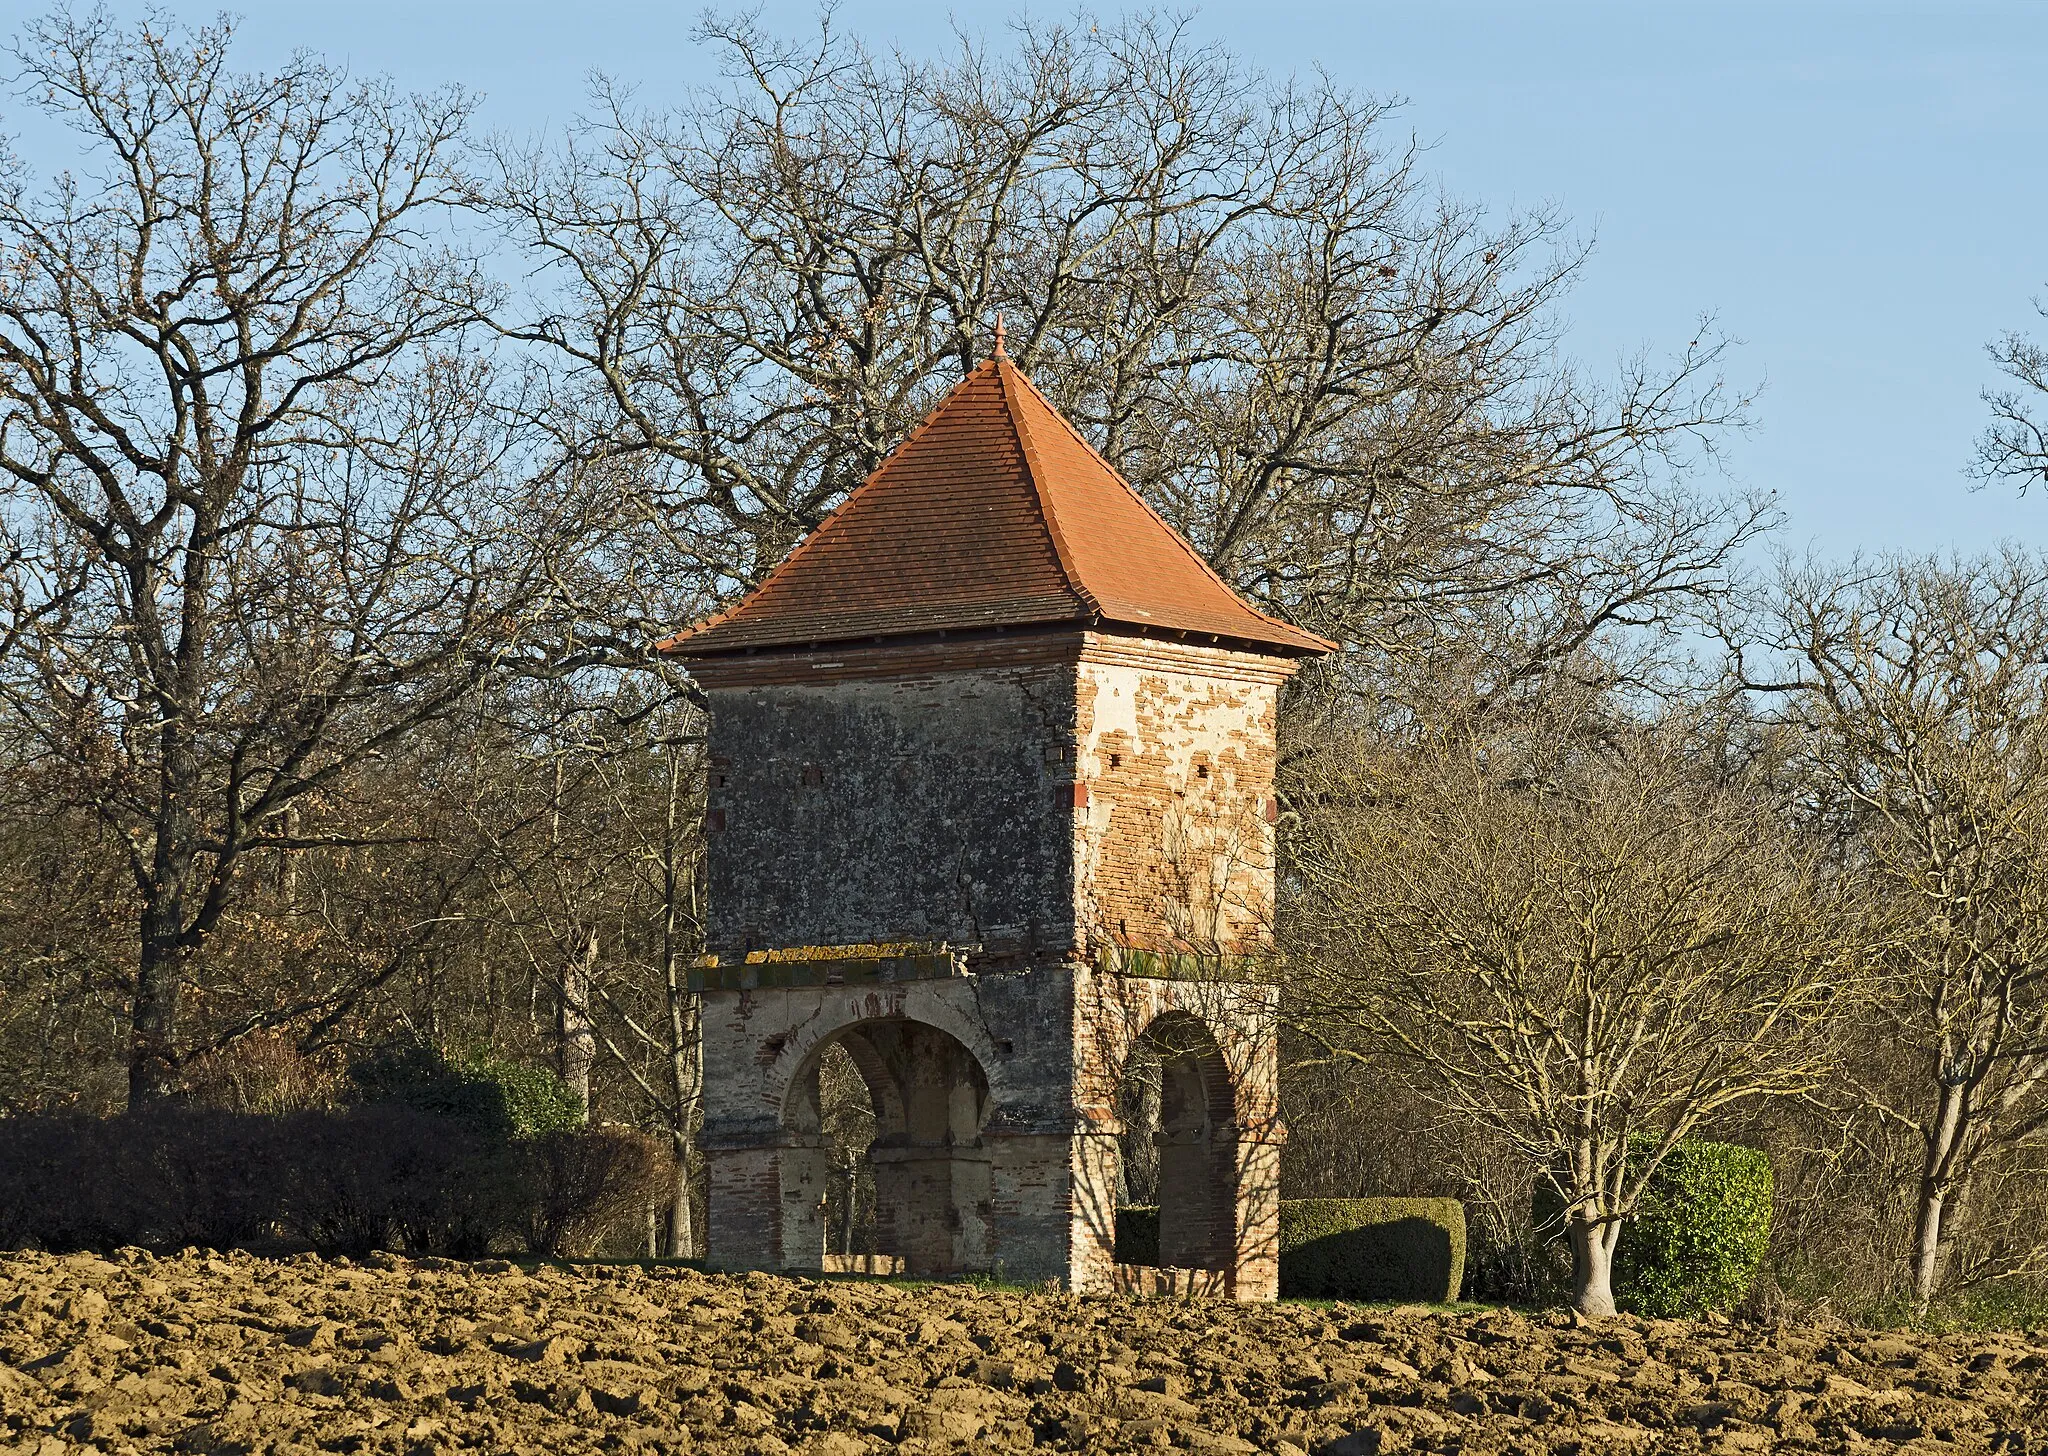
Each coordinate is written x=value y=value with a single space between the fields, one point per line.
x=891 y=811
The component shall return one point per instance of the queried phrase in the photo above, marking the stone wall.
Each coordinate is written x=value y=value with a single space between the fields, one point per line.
x=997 y=1128
x=1005 y=1039
x=912 y=808
x=1040 y=803
x=1036 y=797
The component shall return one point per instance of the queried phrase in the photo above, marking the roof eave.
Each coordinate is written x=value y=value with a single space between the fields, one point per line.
x=1284 y=641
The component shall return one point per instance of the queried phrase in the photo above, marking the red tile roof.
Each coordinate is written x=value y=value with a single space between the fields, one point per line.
x=993 y=513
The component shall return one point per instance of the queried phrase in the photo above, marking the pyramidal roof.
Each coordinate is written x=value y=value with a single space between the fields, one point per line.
x=995 y=512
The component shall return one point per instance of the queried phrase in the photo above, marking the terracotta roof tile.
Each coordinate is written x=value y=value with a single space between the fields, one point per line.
x=994 y=512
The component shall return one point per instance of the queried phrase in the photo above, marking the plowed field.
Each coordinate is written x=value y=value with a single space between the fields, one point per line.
x=236 y=1354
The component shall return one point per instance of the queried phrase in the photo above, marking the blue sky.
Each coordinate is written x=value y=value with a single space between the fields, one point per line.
x=1855 y=190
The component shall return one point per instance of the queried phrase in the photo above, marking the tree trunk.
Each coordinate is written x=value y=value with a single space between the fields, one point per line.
x=682 y=1218
x=848 y=1177
x=1593 y=1263
x=160 y=966
x=1140 y=1099
x=685 y=1017
x=1927 y=1233
x=578 y=1037
x=686 y=1069
x=159 y=979
x=1930 y=1221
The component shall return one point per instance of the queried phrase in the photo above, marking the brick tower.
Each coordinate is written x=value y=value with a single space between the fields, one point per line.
x=990 y=807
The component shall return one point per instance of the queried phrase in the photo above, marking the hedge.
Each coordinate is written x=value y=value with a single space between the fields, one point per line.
x=381 y=1176
x=1699 y=1235
x=1372 y=1248
x=1395 y=1249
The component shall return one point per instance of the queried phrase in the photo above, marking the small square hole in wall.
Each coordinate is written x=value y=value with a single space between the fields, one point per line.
x=1116 y=760
x=1201 y=770
x=813 y=776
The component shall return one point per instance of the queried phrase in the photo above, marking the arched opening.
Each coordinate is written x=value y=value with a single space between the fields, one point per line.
x=1178 y=1149
x=884 y=1153
x=847 y=1119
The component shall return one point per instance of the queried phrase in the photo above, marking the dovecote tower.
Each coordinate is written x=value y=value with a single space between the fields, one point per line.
x=990 y=807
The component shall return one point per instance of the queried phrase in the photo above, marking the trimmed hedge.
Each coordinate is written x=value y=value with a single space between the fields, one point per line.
x=1390 y=1249
x=198 y=1177
x=1406 y=1249
x=381 y=1176
x=1699 y=1236
x=1701 y=1233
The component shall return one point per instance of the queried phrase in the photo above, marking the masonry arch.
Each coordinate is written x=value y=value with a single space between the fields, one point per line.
x=924 y=1172
x=1181 y=1119
x=786 y=1054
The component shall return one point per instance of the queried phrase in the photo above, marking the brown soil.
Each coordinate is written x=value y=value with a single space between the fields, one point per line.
x=235 y=1354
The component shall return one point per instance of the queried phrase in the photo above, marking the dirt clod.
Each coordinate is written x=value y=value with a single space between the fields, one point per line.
x=203 y=1353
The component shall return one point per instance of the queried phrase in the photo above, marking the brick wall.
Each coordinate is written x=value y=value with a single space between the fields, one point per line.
x=1174 y=844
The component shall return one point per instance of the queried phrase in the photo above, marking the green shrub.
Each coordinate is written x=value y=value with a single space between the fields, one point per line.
x=503 y=1100
x=492 y=1111
x=1700 y=1234
x=1372 y=1248
x=1345 y=1248
x=1696 y=1240
x=2000 y=1304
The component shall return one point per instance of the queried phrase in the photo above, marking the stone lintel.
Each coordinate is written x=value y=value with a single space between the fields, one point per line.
x=790 y=972
x=880 y=1153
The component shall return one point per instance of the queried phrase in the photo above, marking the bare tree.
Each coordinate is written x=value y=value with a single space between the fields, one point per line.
x=587 y=812
x=291 y=492
x=262 y=519
x=65 y=966
x=1344 y=389
x=2015 y=445
x=1920 y=690
x=1578 y=937
x=575 y=1032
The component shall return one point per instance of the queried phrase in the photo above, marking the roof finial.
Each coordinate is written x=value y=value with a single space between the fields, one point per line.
x=999 y=336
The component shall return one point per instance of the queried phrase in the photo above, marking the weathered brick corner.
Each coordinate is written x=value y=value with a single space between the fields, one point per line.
x=991 y=806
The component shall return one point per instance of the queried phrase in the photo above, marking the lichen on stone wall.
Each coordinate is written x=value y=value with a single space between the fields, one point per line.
x=919 y=810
